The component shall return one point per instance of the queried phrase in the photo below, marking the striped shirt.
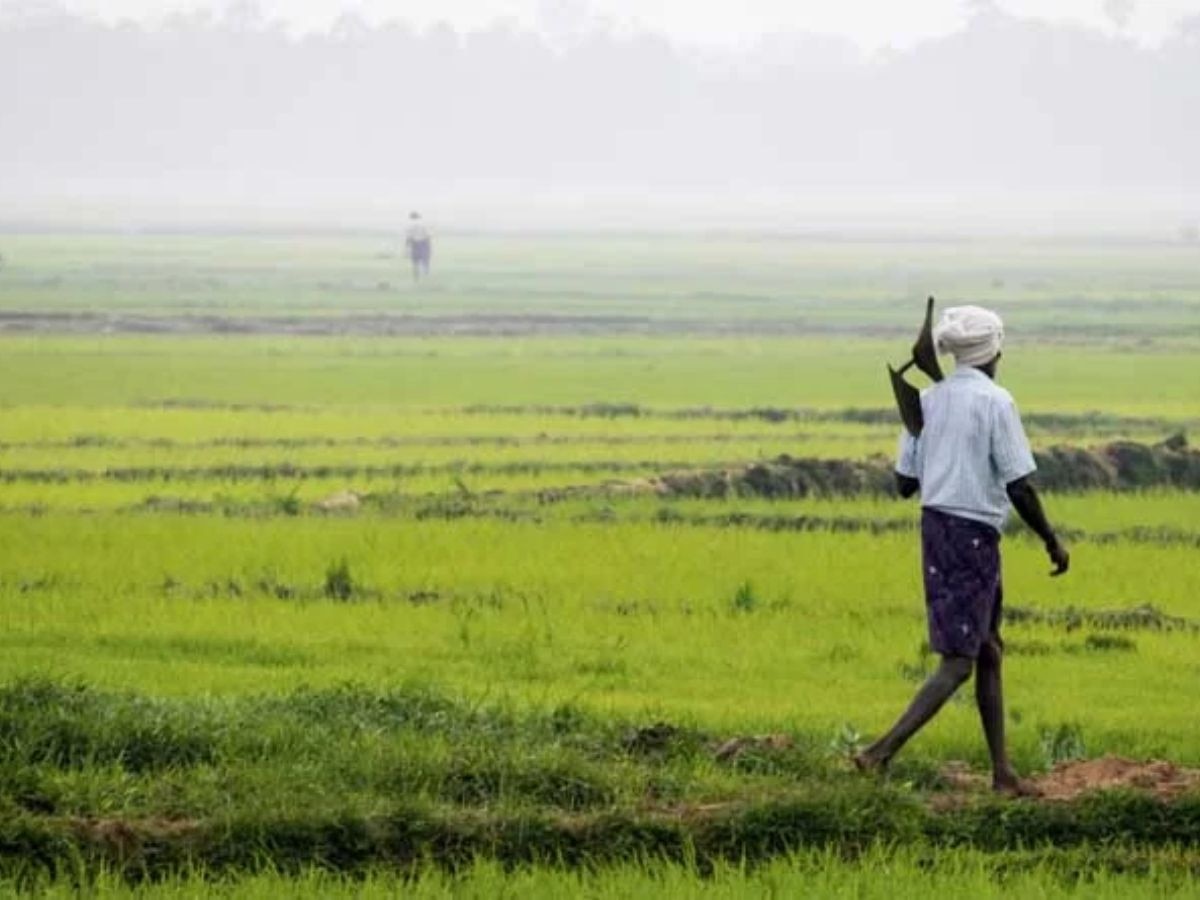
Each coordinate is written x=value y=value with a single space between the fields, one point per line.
x=971 y=447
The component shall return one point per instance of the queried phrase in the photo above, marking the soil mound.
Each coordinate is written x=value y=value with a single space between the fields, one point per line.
x=780 y=478
x=1121 y=465
x=1163 y=779
x=1072 y=779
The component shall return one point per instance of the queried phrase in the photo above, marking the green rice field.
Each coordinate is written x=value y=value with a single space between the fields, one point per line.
x=318 y=583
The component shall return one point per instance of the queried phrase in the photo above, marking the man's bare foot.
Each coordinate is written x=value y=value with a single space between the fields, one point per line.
x=1009 y=784
x=868 y=763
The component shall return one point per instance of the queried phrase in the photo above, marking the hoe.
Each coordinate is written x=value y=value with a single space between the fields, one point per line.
x=924 y=357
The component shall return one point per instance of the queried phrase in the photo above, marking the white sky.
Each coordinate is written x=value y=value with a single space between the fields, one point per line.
x=871 y=23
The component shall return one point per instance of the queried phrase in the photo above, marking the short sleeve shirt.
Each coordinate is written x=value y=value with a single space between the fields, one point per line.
x=972 y=446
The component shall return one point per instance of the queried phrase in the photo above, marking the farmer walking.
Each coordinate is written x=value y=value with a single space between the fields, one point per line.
x=970 y=461
x=419 y=245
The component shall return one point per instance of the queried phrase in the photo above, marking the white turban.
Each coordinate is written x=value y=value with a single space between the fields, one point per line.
x=973 y=334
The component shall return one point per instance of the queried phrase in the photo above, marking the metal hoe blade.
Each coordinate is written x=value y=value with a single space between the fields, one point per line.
x=924 y=353
x=924 y=357
x=908 y=399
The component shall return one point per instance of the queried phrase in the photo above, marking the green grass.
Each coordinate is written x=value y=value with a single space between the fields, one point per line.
x=577 y=612
x=878 y=874
x=457 y=667
x=360 y=781
x=666 y=372
x=850 y=284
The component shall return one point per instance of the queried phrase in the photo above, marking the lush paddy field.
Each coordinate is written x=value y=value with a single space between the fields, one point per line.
x=310 y=574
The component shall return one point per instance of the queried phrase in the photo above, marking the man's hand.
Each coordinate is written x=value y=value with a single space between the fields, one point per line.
x=906 y=486
x=1059 y=556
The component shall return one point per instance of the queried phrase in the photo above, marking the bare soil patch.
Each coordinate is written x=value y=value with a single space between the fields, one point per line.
x=735 y=748
x=1073 y=779
x=1162 y=779
x=125 y=838
x=1116 y=466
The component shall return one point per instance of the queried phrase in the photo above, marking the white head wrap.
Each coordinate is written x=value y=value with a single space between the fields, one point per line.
x=973 y=334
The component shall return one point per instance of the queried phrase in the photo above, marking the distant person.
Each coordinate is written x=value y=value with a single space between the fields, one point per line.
x=419 y=245
x=970 y=462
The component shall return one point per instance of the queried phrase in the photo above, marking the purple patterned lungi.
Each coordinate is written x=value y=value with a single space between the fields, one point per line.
x=963 y=594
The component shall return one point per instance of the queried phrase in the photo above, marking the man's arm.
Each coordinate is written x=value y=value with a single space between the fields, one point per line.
x=1029 y=506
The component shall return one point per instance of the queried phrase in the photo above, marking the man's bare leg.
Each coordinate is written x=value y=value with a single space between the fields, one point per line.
x=937 y=689
x=989 y=696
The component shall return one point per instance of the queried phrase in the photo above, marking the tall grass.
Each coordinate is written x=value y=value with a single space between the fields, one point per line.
x=878 y=874
x=635 y=616
x=671 y=372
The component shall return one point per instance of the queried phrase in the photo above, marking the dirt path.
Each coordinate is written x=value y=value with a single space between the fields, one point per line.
x=369 y=324
x=364 y=324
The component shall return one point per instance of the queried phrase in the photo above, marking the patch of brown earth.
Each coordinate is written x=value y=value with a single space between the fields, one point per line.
x=1071 y=780
x=728 y=751
x=958 y=776
x=125 y=837
x=1162 y=779
x=1120 y=465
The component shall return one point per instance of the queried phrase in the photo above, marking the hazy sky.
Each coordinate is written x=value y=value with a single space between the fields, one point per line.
x=872 y=23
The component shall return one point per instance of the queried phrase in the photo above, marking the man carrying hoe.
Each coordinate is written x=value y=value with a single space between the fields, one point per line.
x=968 y=457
